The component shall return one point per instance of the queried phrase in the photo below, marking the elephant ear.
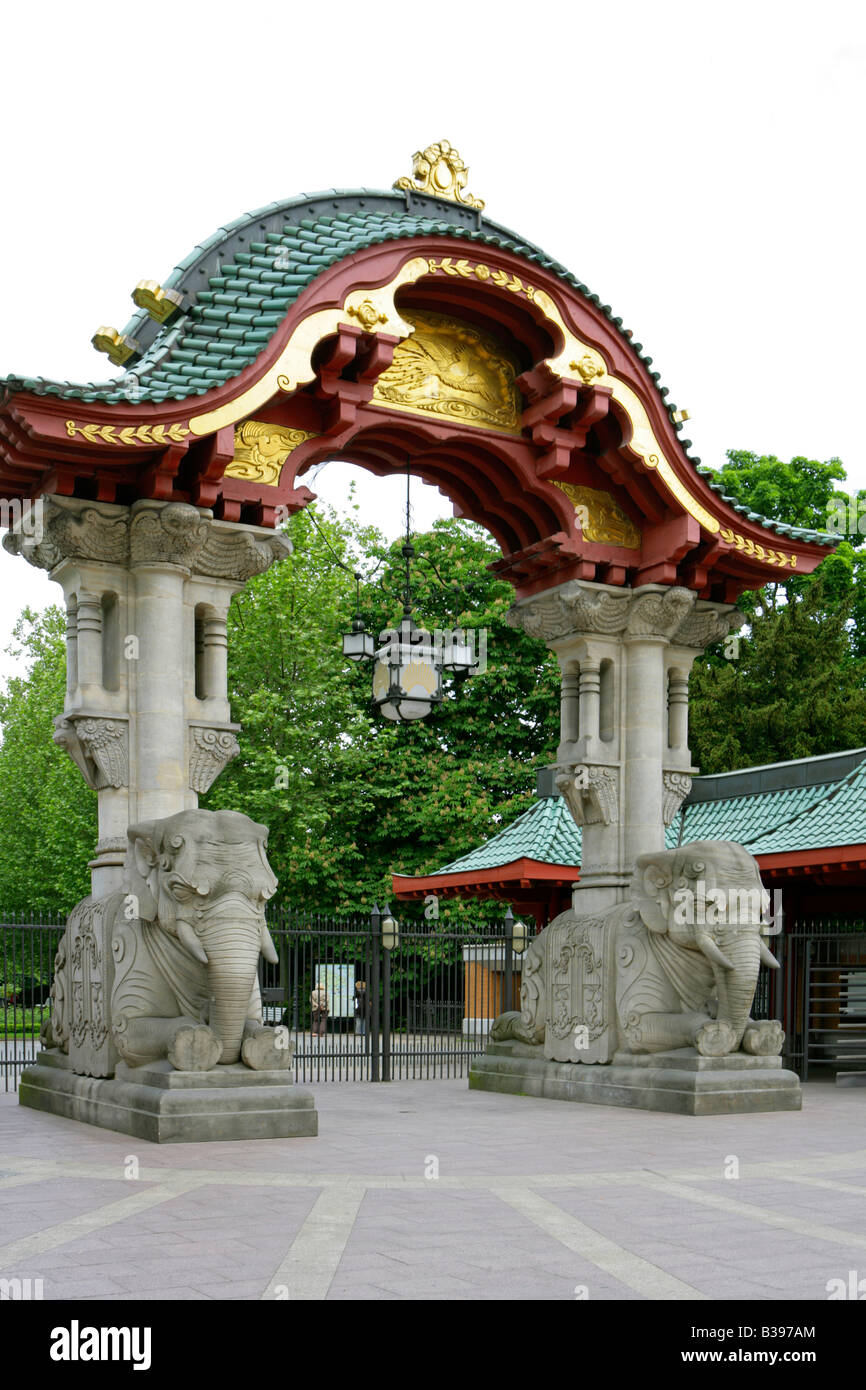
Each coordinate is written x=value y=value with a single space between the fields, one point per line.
x=653 y=882
x=142 y=865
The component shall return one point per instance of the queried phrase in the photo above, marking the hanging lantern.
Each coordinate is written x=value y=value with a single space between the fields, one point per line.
x=408 y=665
x=457 y=656
x=407 y=673
x=358 y=644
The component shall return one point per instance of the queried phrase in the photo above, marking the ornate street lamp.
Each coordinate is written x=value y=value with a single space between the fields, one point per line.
x=408 y=665
x=407 y=674
x=390 y=931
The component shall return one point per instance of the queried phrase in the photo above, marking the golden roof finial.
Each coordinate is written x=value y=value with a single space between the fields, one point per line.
x=440 y=172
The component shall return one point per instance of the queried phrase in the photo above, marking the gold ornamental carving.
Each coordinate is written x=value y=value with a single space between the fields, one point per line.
x=602 y=518
x=294 y=368
x=129 y=435
x=118 y=346
x=261 y=451
x=440 y=172
x=367 y=315
x=448 y=370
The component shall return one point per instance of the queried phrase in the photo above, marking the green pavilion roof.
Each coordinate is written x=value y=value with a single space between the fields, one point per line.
x=546 y=833
x=809 y=803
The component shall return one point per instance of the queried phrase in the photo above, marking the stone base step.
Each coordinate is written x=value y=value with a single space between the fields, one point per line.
x=680 y=1081
x=165 y=1106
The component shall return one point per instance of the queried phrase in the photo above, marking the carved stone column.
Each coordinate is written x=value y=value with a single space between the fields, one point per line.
x=142 y=585
x=625 y=781
x=590 y=685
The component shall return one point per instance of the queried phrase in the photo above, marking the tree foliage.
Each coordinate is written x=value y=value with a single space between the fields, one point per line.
x=348 y=797
x=47 y=813
x=794 y=684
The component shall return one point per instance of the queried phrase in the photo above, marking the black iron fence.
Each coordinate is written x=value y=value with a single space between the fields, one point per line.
x=377 y=998
x=373 y=998
x=362 y=999
x=27 y=951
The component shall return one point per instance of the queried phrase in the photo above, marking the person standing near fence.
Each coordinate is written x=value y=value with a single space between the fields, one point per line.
x=362 y=1008
x=319 y=1006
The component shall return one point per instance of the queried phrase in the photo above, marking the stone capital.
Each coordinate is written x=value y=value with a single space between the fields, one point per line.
x=171 y=534
x=210 y=750
x=677 y=786
x=591 y=793
x=579 y=608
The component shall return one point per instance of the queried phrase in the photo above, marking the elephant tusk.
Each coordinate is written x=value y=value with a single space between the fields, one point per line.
x=269 y=950
x=189 y=939
x=768 y=958
x=712 y=952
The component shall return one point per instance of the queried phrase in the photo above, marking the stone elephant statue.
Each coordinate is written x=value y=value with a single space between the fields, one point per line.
x=186 y=932
x=676 y=966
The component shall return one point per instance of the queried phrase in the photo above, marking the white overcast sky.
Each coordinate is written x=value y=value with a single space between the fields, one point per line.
x=699 y=166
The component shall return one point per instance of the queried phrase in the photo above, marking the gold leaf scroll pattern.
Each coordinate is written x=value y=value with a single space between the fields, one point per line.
x=750 y=547
x=606 y=521
x=453 y=370
x=129 y=435
x=580 y=358
x=261 y=451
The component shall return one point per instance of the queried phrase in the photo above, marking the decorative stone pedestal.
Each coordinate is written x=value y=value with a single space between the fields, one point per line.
x=165 y=1106
x=680 y=1081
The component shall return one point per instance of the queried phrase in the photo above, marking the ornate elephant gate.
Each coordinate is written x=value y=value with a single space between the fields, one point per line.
x=397 y=330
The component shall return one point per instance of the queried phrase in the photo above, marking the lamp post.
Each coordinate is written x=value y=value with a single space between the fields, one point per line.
x=376 y=935
x=390 y=942
x=509 y=943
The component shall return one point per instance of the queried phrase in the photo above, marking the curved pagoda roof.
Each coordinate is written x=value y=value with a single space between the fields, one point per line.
x=203 y=352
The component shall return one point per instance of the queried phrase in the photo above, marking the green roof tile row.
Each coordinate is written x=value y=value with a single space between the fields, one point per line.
x=794 y=819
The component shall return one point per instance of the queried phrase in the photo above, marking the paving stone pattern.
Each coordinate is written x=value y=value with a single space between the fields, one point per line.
x=533 y=1200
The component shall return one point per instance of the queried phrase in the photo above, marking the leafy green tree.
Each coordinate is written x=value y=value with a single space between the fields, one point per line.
x=47 y=813
x=794 y=684
x=349 y=797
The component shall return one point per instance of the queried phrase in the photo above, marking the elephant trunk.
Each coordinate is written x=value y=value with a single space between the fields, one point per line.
x=233 y=949
x=736 y=983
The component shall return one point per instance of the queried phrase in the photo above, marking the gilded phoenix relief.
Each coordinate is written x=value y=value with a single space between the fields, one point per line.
x=454 y=371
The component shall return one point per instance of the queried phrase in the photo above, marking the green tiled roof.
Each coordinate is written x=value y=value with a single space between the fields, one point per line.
x=546 y=833
x=824 y=806
x=818 y=815
x=750 y=816
x=240 y=282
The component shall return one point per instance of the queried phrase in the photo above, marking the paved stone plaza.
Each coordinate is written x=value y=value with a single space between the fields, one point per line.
x=533 y=1200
